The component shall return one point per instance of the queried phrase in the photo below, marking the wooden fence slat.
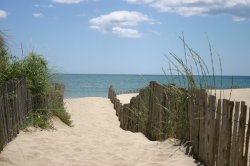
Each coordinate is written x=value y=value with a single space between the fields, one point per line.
x=15 y=121
x=229 y=131
x=133 y=115
x=9 y=104
x=202 y=142
x=218 y=129
x=221 y=158
x=141 y=113
x=197 y=124
x=187 y=119
x=5 y=124
x=211 y=131
x=234 y=152
x=156 y=112
x=206 y=128
x=14 y=101
x=18 y=102
x=149 y=126
x=191 y=122
x=241 y=133
x=2 y=132
x=167 y=112
x=7 y=111
x=147 y=108
x=152 y=130
x=246 y=157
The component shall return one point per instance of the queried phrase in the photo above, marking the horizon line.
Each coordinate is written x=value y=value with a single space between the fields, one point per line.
x=228 y=75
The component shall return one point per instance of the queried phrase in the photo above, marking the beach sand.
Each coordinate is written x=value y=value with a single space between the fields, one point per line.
x=95 y=139
x=125 y=98
x=236 y=95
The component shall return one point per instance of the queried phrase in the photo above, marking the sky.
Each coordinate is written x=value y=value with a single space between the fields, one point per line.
x=128 y=36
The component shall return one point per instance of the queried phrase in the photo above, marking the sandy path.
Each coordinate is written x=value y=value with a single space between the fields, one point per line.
x=95 y=139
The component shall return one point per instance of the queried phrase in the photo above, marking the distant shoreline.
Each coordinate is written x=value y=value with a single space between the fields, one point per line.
x=241 y=94
x=85 y=85
x=226 y=75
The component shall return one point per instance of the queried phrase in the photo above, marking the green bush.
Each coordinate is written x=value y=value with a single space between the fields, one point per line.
x=38 y=120
x=35 y=69
x=38 y=78
x=3 y=65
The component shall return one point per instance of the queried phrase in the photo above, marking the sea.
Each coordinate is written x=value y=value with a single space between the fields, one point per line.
x=97 y=85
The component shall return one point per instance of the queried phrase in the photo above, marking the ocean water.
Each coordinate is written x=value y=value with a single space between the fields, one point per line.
x=87 y=85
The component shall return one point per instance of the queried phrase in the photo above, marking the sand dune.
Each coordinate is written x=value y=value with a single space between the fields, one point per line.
x=95 y=139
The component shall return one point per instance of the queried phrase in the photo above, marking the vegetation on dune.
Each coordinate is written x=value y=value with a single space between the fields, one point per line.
x=46 y=100
x=35 y=68
x=195 y=78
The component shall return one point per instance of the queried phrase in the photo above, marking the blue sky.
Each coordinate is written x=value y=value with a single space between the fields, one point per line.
x=128 y=36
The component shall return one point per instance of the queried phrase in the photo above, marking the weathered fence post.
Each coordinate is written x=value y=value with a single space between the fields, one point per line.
x=217 y=135
x=211 y=130
x=143 y=110
x=234 y=150
x=59 y=94
x=247 y=141
x=14 y=107
x=241 y=133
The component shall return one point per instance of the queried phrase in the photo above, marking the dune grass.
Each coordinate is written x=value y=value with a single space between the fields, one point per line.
x=194 y=76
x=39 y=81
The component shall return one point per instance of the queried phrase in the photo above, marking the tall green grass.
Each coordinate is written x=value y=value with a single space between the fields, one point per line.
x=39 y=80
x=196 y=77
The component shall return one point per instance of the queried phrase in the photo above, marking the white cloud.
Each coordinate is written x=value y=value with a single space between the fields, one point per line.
x=126 y=32
x=37 y=15
x=44 y=6
x=68 y=1
x=140 y=1
x=238 y=19
x=3 y=14
x=121 y=23
x=236 y=8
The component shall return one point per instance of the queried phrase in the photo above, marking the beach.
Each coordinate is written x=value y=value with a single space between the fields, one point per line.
x=135 y=82
x=95 y=139
x=235 y=95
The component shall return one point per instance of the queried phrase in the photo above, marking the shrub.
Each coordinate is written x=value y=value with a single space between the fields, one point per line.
x=37 y=74
x=38 y=78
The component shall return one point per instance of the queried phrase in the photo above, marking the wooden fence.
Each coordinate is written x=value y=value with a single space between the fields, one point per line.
x=15 y=104
x=217 y=130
